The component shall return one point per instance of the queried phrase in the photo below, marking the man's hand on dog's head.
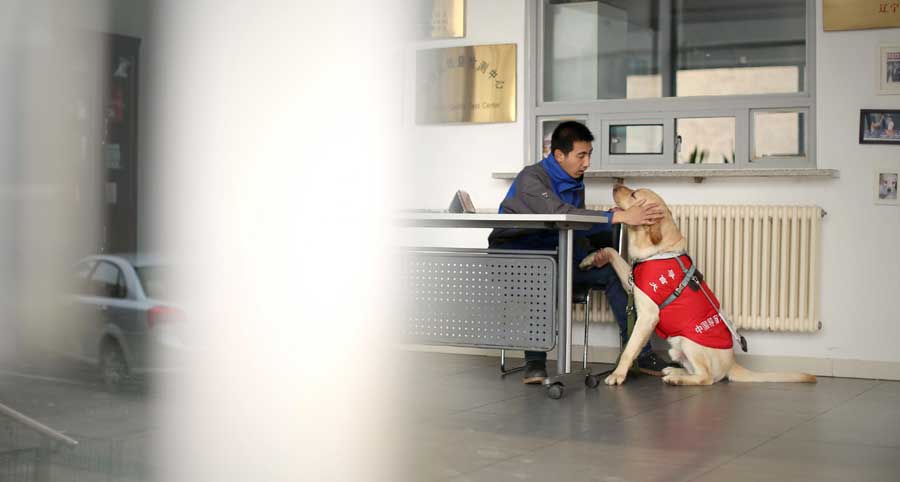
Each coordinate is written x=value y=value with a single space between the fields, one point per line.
x=641 y=213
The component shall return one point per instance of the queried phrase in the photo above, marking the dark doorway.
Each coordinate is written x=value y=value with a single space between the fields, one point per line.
x=119 y=147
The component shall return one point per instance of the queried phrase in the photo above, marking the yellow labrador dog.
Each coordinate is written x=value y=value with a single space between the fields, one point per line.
x=699 y=339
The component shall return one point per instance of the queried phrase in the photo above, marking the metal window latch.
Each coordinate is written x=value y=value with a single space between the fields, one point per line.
x=677 y=144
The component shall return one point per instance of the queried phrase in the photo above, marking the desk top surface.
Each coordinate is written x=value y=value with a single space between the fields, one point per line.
x=464 y=220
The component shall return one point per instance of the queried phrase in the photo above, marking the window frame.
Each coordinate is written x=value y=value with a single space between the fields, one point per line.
x=666 y=110
x=637 y=160
x=120 y=281
x=789 y=161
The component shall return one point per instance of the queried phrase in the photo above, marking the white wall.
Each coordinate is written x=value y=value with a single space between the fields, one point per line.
x=447 y=158
x=860 y=274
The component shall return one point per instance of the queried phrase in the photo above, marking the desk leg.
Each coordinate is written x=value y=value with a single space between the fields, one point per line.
x=564 y=342
x=564 y=375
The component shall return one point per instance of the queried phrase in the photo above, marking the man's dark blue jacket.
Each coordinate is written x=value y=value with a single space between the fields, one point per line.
x=545 y=188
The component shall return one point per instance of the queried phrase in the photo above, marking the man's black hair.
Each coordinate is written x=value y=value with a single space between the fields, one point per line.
x=567 y=134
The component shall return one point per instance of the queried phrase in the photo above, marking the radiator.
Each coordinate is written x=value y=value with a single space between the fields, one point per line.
x=762 y=262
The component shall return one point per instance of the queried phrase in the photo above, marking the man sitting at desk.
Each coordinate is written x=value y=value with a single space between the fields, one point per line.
x=556 y=186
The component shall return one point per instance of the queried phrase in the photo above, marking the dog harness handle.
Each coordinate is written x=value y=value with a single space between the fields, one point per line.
x=688 y=276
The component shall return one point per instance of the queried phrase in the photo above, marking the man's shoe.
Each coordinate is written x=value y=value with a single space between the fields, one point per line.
x=651 y=364
x=535 y=372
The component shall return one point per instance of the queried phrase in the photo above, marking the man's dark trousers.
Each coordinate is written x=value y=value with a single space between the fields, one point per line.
x=604 y=278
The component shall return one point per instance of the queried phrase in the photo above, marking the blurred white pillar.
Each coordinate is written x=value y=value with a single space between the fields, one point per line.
x=271 y=123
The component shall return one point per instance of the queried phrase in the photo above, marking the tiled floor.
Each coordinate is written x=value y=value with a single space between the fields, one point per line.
x=465 y=423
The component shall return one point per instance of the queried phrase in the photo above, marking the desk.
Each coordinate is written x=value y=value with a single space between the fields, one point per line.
x=565 y=224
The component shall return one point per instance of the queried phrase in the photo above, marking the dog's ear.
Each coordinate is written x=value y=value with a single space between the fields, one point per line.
x=655 y=231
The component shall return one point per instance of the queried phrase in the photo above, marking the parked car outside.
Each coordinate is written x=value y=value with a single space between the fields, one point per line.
x=121 y=318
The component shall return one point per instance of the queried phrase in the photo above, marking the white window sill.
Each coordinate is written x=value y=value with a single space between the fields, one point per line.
x=697 y=174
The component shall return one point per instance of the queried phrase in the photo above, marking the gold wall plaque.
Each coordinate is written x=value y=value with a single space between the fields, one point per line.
x=860 y=14
x=466 y=84
x=448 y=19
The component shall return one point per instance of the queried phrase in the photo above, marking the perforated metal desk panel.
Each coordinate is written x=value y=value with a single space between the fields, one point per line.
x=481 y=300
x=439 y=331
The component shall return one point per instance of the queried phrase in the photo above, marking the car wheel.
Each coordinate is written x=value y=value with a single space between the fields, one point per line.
x=113 y=367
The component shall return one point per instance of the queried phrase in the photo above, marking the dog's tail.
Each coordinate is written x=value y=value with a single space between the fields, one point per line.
x=741 y=374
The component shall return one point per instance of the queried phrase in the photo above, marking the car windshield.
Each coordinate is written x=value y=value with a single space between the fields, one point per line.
x=155 y=280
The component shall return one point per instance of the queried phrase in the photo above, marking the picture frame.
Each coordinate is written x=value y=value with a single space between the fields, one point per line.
x=889 y=69
x=885 y=190
x=441 y=19
x=878 y=126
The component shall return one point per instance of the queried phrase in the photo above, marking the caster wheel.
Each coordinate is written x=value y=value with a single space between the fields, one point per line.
x=592 y=381
x=555 y=391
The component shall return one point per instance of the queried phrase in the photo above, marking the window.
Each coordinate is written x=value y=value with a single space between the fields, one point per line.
x=156 y=281
x=676 y=84
x=635 y=139
x=107 y=281
x=704 y=140
x=778 y=134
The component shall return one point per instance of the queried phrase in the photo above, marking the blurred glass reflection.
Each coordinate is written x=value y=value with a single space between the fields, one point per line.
x=174 y=237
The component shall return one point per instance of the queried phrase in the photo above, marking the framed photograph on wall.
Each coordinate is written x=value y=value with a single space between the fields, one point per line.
x=440 y=19
x=886 y=186
x=889 y=69
x=879 y=126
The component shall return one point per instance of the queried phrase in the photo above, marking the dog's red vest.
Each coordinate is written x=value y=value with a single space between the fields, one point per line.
x=690 y=315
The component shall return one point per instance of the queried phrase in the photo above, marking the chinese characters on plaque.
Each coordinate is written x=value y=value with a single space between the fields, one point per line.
x=466 y=84
x=860 y=14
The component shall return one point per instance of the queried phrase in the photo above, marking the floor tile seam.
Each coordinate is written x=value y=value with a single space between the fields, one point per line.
x=842 y=402
x=462 y=371
x=507 y=459
x=490 y=403
x=732 y=459
x=829 y=409
x=623 y=418
x=710 y=469
x=873 y=387
x=617 y=418
x=810 y=419
x=662 y=405
x=429 y=418
x=667 y=464
x=772 y=439
x=745 y=452
x=832 y=442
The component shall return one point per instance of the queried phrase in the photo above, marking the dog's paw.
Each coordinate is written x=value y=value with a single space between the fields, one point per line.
x=616 y=378
x=671 y=379
x=587 y=262
x=673 y=371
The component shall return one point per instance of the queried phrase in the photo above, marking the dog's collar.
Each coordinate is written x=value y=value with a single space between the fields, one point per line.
x=658 y=256
x=655 y=257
